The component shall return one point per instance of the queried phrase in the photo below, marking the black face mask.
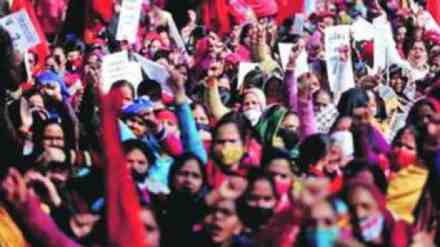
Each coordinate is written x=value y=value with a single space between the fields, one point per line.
x=290 y=138
x=225 y=95
x=255 y=217
x=204 y=127
x=138 y=177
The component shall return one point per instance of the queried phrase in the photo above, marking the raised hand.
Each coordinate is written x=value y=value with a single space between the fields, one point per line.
x=294 y=54
x=233 y=187
x=32 y=178
x=14 y=187
x=177 y=84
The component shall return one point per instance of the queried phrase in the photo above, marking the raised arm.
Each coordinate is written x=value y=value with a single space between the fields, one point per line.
x=192 y=142
x=214 y=101
x=40 y=225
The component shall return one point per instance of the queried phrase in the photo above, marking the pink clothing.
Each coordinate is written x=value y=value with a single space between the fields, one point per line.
x=308 y=125
x=263 y=8
x=41 y=225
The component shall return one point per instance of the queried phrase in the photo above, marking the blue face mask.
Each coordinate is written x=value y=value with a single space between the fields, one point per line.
x=322 y=237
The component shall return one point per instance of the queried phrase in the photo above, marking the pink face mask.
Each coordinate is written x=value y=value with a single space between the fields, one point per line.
x=282 y=188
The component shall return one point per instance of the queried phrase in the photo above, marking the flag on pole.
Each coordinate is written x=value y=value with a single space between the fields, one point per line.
x=433 y=6
x=104 y=8
x=124 y=227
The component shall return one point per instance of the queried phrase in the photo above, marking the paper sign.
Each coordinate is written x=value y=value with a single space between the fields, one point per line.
x=21 y=30
x=339 y=73
x=129 y=17
x=154 y=71
x=387 y=93
x=362 y=30
x=298 y=27
x=380 y=48
x=301 y=65
x=116 y=67
x=243 y=69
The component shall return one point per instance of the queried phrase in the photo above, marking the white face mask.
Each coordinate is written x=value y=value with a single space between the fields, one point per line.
x=253 y=115
x=28 y=147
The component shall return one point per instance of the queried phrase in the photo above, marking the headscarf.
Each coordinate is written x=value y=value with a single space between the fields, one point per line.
x=344 y=139
x=48 y=77
x=377 y=195
x=167 y=115
x=139 y=105
x=351 y=99
x=259 y=94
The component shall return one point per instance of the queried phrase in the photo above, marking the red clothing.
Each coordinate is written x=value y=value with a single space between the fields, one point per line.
x=263 y=8
x=216 y=176
x=50 y=14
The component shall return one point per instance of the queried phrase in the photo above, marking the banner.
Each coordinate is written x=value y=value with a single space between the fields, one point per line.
x=129 y=17
x=339 y=69
x=21 y=30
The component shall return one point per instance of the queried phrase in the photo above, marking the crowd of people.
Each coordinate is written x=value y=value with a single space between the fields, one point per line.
x=280 y=157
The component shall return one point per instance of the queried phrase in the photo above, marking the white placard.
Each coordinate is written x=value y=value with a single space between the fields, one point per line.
x=380 y=48
x=116 y=67
x=129 y=17
x=339 y=73
x=387 y=93
x=298 y=26
x=243 y=69
x=362 y=30
x=154 y=71
x=302 y=65
x=21 y=30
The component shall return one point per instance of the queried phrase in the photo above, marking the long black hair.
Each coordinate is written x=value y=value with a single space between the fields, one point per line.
x=135 y=144
x=313 y=149
x=179 y=162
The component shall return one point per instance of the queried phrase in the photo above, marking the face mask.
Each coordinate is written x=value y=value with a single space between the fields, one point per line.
x=322 y=237
x=74 y=65
x=373 y=111
x=371 y=227
x=225 y=95
x=404 y=158
x=139 y=177
x=253 y=115
x=282 y=188
x=28 y=147
x=290 y=138
x=204 y=127
x=231 y=155
x=256 y=217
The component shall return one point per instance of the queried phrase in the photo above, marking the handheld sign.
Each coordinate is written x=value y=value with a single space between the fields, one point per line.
x=116 y=67
x=21 y=30
x=338 y=58
x=129 y=20
x=301 y=65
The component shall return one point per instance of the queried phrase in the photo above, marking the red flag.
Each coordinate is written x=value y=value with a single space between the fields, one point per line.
x=104 y=8
x=43 y=48
x=288 y=8
x=124 y=226
x=433 y=6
